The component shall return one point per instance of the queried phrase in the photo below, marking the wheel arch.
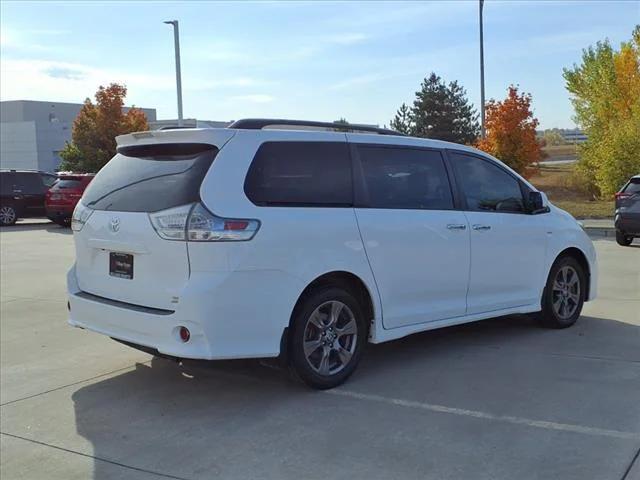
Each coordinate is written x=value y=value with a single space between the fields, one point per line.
x=581 y=258
x=343 y=279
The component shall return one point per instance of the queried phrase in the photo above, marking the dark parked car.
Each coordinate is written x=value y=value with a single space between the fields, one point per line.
x=22 y=194
x=627 y=219
x=63 y=196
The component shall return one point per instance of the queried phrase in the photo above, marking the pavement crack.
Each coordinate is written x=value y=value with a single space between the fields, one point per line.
x=630 y=467
x=99 y=459
x=10 y=402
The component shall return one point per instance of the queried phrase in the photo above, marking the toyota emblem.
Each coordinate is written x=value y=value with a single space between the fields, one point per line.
x=114 y=224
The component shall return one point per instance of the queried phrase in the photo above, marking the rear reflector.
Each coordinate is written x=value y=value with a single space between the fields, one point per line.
x=235 y=224
x=185 y=334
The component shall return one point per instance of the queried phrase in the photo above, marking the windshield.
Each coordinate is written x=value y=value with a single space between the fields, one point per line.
x=150 y=178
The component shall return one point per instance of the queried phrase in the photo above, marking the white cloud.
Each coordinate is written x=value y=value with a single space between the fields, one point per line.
x=344 y=38
x=62 y=81
x=71 y=82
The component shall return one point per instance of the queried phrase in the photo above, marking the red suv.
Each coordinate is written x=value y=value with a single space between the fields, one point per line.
x=62 y=197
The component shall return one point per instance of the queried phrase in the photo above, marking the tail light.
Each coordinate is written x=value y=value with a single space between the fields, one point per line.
x=80 y=216
x=621 y=195
x=197 y=224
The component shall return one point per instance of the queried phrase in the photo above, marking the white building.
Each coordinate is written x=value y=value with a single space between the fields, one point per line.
x=32 y=133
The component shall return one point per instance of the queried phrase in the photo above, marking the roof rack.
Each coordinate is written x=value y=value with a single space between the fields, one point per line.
x=261 y=123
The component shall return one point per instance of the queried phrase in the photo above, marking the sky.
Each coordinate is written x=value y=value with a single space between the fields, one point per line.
x=318 y=60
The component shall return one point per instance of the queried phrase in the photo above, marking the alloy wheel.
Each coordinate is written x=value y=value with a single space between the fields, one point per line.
x=7 y=215
x=330 y=338
x=566 y=292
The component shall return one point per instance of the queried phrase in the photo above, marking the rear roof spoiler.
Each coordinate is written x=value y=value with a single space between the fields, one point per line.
x=212 y=136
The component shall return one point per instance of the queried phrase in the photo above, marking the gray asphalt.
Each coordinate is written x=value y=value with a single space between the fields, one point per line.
x=500 y=399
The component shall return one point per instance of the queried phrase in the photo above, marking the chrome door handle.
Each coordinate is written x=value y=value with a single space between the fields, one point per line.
x=482 y=227
x=457 y=226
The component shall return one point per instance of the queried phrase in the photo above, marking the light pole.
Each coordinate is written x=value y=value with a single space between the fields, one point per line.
x=482 y=130
x=176 y=39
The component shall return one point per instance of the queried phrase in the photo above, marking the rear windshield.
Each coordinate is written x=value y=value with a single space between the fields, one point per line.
x=66 y=184
x=633 y=186
x=151 y=178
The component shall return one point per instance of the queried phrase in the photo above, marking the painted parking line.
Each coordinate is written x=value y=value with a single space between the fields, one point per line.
x=565 y=427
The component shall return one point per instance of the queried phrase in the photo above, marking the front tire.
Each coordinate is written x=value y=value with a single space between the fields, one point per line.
x=8 y=215
x=622 y=239
x=329 y=333
x=564 y=293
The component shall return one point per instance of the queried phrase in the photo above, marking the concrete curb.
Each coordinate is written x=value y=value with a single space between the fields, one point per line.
x=600 y=231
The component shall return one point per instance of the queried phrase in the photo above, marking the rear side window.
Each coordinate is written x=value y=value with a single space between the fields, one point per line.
x=404 y=178
x=151 y=178
x=29 y=183
x=7 y=180
x=300 y=174
x=487 y=187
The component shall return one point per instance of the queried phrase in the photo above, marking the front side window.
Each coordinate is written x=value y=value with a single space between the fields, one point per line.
x=487 y=187
x=404 y=178
x=300 y=174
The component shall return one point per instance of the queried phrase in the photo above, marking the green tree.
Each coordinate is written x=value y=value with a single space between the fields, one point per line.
x=93 y=138
x=553 y=137
x=443 y=111
x=402 y=122
x=605 y=91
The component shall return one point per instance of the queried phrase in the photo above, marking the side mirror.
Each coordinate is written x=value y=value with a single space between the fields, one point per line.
x=538 y=202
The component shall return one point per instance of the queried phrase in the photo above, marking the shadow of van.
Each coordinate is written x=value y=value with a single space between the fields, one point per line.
x=239 y=419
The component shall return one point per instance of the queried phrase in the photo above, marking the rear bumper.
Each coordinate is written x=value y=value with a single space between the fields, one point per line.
x=222 y=326
x=58 y=212
x=629 y=223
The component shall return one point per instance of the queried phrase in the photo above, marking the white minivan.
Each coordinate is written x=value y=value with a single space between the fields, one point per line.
x=289 y=238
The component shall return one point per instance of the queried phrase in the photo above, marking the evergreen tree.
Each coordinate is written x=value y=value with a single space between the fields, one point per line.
x=444 y=112
x=402 y=122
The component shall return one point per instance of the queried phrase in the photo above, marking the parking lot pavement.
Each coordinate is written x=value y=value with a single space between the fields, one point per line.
x=500 y=399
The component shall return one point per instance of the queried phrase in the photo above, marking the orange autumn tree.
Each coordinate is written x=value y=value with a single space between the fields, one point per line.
x=93 y=138
x=511 y=132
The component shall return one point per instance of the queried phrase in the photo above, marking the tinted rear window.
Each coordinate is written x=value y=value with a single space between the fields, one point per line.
x=151 y=178
x=6 y=182
x=29 y=183
x=633 y=186
x=404 y=178
x=300 y=174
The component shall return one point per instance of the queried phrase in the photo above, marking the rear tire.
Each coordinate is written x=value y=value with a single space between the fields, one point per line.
x=328 y=336
x=564 y=293
x=8 y=215
x=63 y=222
x=622 y=239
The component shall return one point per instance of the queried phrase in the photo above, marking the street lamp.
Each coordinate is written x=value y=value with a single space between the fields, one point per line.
x=482 y=131
x=176 y=39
